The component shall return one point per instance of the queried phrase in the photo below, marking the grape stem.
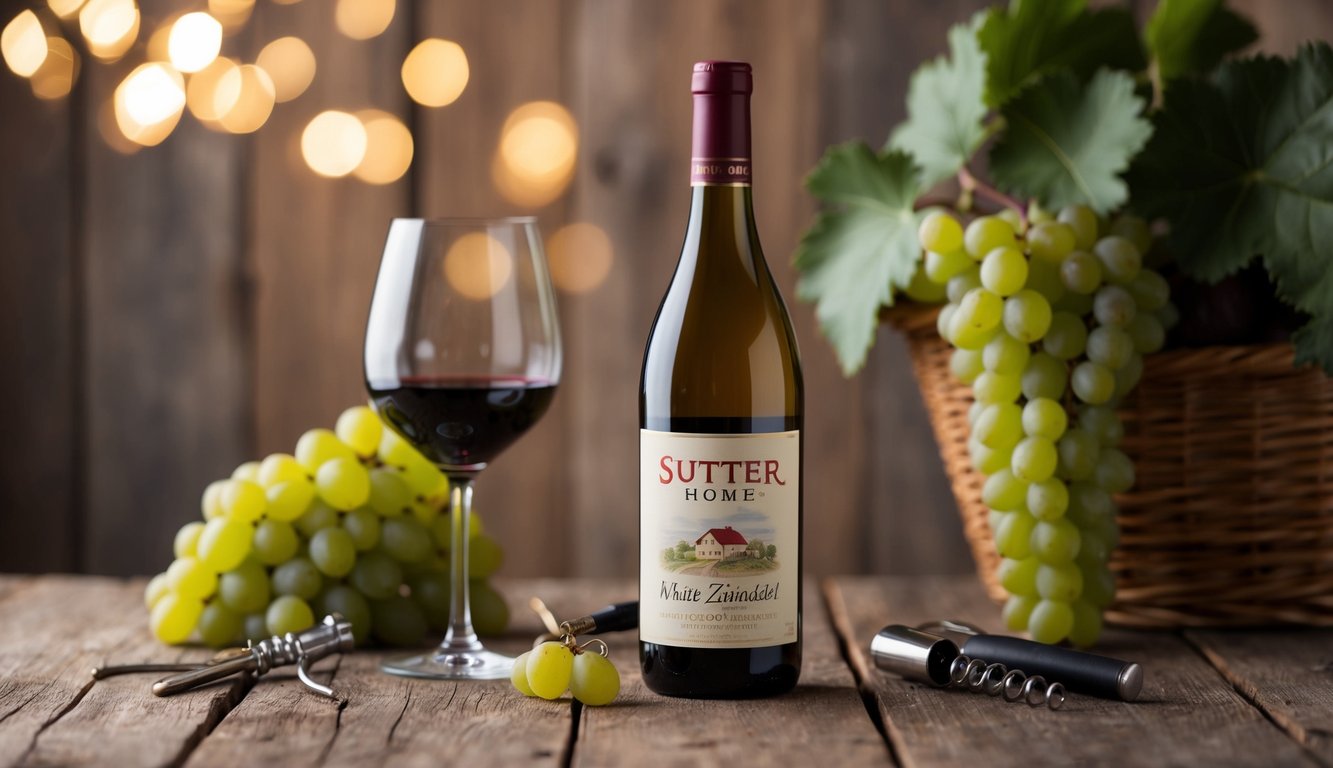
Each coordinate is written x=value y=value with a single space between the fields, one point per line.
x=972 y=184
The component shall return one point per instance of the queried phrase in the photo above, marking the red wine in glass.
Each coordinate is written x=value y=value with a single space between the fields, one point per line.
x=462 y=421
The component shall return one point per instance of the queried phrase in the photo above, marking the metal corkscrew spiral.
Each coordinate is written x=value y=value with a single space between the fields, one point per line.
x=1013 y=685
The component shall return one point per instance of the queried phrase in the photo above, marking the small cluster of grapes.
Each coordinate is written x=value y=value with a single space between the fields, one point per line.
x=355 y=523
x=1050 y=320
x=553 y=667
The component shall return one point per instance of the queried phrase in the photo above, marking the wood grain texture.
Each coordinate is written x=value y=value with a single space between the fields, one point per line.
x=1182 y=717
x=166 y=373
x=40 y=475
x=52 y=713
x=822 y=719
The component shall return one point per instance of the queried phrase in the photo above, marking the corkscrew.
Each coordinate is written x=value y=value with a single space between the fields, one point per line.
x=333 y=635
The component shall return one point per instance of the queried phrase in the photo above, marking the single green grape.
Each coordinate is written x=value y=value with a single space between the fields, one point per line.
x=298 y=577
x=1147 y=333
x=484 y=557
x=1121 y=261
x=988 y=461
x=343 y=483
x=1050 y=621
x=156 y=589
x=422 y=477
x=1150 y=290
x=219 y=626
x=1027 y=316
x=1112 y=305
x=289 y=499
x=289 y=613
x=363 y=526
x=1082 y=222
x=1066 y=338
x=1087 y=624
x=1115 y=472
x=189 y=577
x=244 y=500
x=186 y=543
x=944 y=320
x=1005 y=355
x=1110 y=346
x=275 y=542
x=1051 y=241
x=981 y=310
x=991 y=387
x=1004 y=492
x=942 y=267
x=940 y=232
x=1034 y=459
x=360 y=429
x=319 y=446
x=280 y=468
x=1044 y=417
x=1093 y=383
x=490 y=612
x=332 y=552
x=1045 y=376
x=255 y=627
x=1048 y=500
x=1055 y=541
x=1013 y=218
x=1000 y=425
x=249 y=471
x=594 y=680
x=376 y=575
x=964 y=336
x=405 y=539
x=986 y=233
x=1089 y=505
x=1078 y=451
x=1129 y=375
x=966 y=364
x=1013 y=536
x=389 y=494
x=1016 y=611
x=316 y=518
x=430 y=589
x=348 y=603
x=1081 y=272
x=519 y=674
x=174 y=617
x=397 y=621
x=245 y=590
x=224 y=543
x=1062 y=582
x=963 y=282
x=550 y=666
x=1004 y=271
x=1102 y=422
x=211 y=502
x=1018 y=577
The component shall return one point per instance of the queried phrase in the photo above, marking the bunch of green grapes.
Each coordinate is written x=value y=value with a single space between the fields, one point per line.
x=356 y=522
x=552 y=668
x=1050 y=322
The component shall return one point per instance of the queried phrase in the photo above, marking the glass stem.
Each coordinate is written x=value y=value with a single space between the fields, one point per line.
x=461 y=636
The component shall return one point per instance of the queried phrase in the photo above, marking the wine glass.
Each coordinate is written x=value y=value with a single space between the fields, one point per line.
x=462 y=357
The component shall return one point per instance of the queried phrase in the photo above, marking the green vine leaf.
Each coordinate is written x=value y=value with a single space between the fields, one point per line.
x=1242 y=166
x=1033 y=38
x=860 y=248
x=1066 y=143
x=1191 y=36
x=945 y=108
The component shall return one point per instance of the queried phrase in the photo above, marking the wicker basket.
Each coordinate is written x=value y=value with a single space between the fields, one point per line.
x=1231 y=520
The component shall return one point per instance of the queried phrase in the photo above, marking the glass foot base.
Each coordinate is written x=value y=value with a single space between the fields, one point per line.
x=452 y=665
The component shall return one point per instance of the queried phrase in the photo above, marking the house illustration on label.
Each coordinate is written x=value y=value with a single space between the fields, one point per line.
x=720 y=543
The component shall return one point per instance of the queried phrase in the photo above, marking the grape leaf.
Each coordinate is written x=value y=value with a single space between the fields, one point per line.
x=1033 y=38
x=945 y=109
x=1191 y=36
x=1065 y=143
x=1242 y=166
x=855 y=253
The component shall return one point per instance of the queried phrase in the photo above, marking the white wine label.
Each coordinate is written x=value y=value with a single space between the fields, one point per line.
x=719 y=538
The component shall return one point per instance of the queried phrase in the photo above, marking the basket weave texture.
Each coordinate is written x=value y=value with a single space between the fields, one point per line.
x=1230 y=522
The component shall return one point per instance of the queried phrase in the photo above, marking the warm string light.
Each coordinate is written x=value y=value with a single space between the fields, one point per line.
x=23 y=44
x=291 y=65
x=148 y=103
x=580 y=257
x=435 y=72
x=363 y=19
x=538 y=149
x=109 y=27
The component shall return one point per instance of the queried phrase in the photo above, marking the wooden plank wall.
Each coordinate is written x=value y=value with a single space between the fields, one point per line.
x=172 y=313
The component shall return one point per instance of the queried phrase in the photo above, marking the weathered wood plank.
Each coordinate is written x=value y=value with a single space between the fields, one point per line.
x=515 y=54
x=51 y=711
x=823 y=718
x=40 y=475
x=167 y=377
x=1183 y=716
x=1286 y=674
x=315 y=243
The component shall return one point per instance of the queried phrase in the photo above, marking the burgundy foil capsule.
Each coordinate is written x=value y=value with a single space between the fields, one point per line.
x=720 y=153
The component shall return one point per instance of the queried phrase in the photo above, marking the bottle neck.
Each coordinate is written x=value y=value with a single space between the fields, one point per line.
x=720 y=150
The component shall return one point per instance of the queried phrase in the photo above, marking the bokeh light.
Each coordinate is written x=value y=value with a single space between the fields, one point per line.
x=231 y=13
x=580 y=256
x=109 y=27
x=478 y=266
x=291 y=64
x=201 y=92
x=435 y=72
x=149 y=102
x=538 y=148
x=196 y=39
x=58 y=73
x=158 y=47
x=389 y=148
x=65 y=9
x=333 y=143
x=110 y=131
x=23 y=44
x=363 y=19
x=243 y=99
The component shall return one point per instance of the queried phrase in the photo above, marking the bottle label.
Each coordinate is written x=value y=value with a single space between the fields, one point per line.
x=720 y=172
x=719 y=538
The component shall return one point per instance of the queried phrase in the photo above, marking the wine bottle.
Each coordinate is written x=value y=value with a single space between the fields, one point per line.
x=720 y=416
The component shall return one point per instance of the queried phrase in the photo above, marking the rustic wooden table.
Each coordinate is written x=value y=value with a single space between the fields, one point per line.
x=1211 y=698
